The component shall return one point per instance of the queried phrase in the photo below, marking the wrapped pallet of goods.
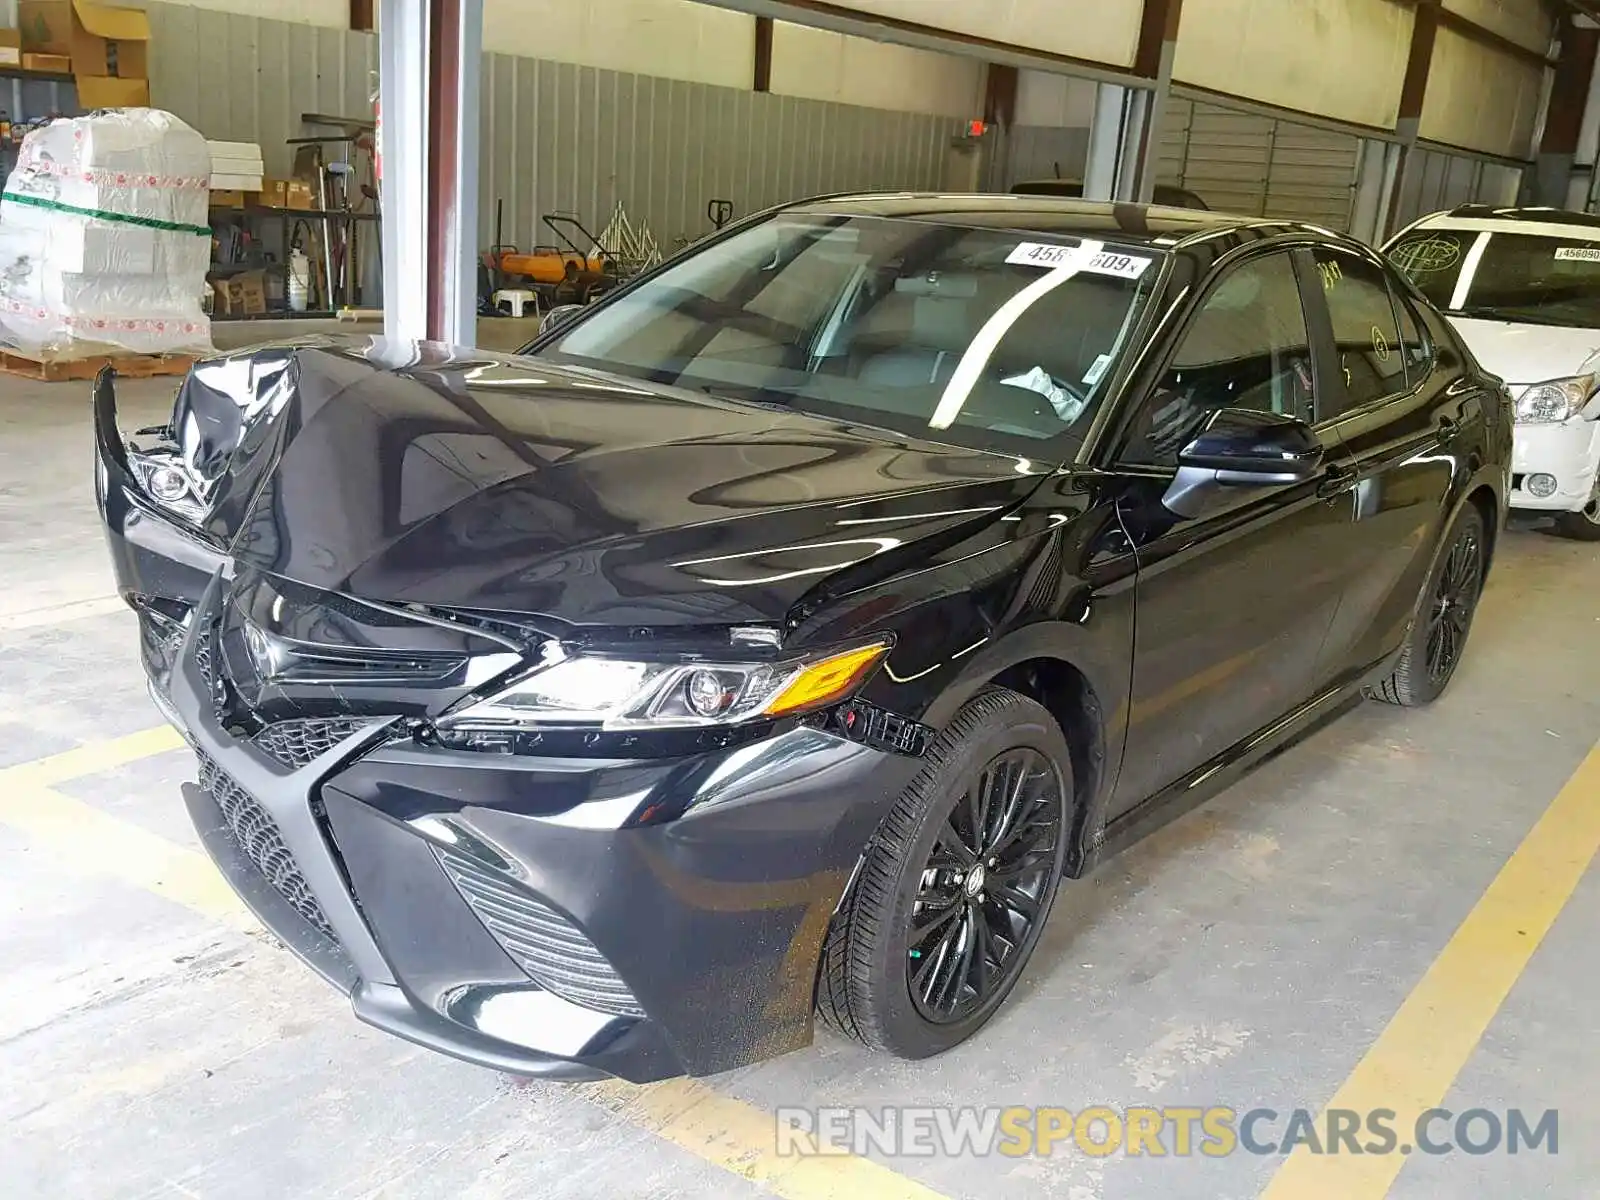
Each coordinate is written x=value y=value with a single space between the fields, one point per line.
x=104 y=241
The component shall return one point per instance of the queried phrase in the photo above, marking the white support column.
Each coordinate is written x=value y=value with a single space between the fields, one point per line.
x=429 y=65
x=1106 y=137
x=1136 y=115
x=1375 y=183
x=403 y=93
x=457 y=256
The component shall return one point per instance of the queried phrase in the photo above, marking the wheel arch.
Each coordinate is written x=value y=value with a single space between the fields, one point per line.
x=1069 y=696
x=1484 y=499
x=1082 y=680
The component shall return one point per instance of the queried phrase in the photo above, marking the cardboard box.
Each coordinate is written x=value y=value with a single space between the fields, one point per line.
x=54 y=64
x=299 y=195
x=240 y=295
x=46 y=26
x=101 y=39
x=105 y=46
x=247 y=293
x=227 y=198
x=10 y=47
x=275 y=193
x=102 y=91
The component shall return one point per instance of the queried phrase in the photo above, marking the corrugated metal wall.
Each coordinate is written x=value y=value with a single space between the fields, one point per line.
x=1040 y=152
x=564 y=138
x=248 y=79
x=1437 y=180
x=555 y=137
x=1246 y=163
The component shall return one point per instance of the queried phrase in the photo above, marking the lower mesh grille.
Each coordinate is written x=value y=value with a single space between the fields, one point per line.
x=257 y=835
x=297 y=742
x=551 y=949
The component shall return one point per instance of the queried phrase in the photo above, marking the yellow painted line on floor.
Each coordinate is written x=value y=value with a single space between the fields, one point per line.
x=92 y=758
x=1414 y=1062
x=63 y=614
x=742 y=1140
x=729 y=1134
x=93 y=842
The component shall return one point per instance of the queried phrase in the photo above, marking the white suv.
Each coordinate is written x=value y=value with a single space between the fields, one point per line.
x=1522 y=287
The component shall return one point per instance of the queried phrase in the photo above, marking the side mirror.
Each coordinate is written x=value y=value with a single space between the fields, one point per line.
x=1243 y=447
x=559 y=315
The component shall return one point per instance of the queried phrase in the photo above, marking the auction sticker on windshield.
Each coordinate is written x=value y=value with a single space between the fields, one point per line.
x=1107 y=262
x=1578 y=253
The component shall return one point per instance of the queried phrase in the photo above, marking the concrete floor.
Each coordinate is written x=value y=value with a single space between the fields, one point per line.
x=153 y=1042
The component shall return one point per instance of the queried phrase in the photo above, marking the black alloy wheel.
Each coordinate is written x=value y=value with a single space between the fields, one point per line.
x=955 y=887
x=981 y=890
x=1454 y=602
x=1438 y=636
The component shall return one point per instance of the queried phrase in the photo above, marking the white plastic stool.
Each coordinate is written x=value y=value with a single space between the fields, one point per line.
x=514 y=301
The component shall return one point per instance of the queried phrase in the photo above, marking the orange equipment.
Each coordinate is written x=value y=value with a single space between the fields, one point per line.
x=561 y=274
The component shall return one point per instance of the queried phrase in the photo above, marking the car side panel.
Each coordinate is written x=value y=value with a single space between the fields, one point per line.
x=1409 y=463
x=1057 y=584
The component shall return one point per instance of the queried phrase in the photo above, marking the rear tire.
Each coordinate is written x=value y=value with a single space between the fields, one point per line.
x=956 y=884
x=1438 y=635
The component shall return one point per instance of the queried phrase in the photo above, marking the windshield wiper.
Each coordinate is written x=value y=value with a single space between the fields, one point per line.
x=732 y=398
x=1525 y=316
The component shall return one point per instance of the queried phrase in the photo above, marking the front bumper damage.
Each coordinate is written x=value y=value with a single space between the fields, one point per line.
x=566 y=918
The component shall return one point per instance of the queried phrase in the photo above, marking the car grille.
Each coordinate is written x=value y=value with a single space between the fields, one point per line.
x=294 y=743
x=257 y=835
x=551 y=949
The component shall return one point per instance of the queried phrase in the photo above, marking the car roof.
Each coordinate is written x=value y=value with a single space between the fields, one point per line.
x=1150 y=224
x=1557 y=222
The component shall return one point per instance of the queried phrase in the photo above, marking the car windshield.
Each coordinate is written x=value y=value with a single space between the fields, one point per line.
x=992 y=339
x=1541 y=279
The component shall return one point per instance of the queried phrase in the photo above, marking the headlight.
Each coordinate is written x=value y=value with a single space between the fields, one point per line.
x=1556 y=400
x=162 y=476
x=596 y=692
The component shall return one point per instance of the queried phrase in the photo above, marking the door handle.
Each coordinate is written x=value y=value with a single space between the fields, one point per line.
x=1339 y=480
x=1448 y=428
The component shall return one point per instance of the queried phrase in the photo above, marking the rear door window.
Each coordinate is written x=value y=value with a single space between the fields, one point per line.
x=1370 y=355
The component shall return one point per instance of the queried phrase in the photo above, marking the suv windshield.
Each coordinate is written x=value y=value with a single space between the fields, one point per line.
x=1537 y=278
x=981 y=337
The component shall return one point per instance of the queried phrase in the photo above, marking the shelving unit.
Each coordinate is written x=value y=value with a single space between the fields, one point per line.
x=271 y=227
x=31 y=95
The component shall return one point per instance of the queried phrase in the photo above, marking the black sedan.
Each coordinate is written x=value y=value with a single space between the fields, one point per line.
x=771 y=638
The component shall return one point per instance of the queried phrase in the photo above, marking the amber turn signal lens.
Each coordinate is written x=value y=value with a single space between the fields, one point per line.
x=825 y=680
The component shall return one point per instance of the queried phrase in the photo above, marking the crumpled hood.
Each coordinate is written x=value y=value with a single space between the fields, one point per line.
x=415 y=474
x=1523 y=354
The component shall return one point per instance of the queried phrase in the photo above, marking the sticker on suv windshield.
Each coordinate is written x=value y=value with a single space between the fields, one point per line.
x=1578 y=253
x=1107 y=262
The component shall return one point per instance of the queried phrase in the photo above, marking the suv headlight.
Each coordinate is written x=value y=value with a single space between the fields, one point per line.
x=612 y=693
x=1554 y=400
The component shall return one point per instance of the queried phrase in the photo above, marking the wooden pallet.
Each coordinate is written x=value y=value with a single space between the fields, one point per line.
x=130 y=366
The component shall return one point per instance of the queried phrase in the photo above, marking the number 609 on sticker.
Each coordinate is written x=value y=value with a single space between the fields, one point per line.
x=1106 y=262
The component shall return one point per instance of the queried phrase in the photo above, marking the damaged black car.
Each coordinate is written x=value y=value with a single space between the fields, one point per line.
x=772 y=637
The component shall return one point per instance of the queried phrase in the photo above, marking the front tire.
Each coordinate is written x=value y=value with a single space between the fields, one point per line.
x=1439 y=630
x=956 y=884
x=1583 y=525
